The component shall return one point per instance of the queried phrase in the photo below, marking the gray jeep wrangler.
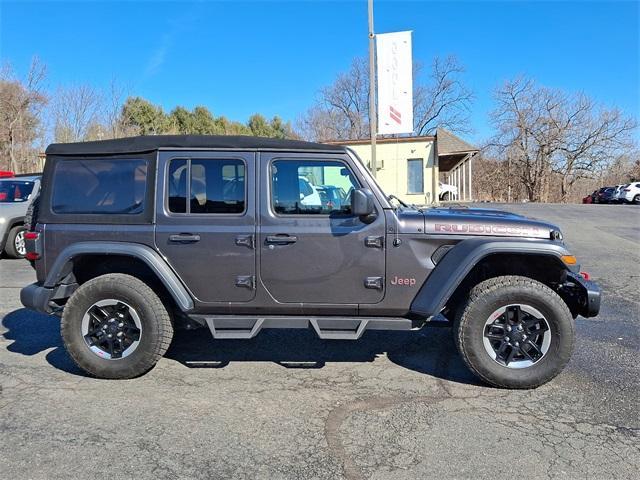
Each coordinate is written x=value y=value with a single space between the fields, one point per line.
x=133 y=237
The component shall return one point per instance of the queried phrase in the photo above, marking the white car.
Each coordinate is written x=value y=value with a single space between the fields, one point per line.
x=631 y=193
x=448 y=192
x=617 y=194
x=309 y=195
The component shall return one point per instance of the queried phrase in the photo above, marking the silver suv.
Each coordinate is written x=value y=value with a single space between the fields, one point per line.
x=16 y=194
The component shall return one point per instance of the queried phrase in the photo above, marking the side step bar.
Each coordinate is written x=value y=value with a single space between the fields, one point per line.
x=327 y=328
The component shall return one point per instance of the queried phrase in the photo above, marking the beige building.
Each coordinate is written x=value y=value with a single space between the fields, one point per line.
x=413 y=167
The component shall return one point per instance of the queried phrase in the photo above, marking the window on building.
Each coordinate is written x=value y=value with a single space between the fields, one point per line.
x=303 y=187
x=214 y=186
x=415 y=176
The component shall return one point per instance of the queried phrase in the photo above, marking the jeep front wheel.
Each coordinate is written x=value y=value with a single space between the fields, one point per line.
x=114 y=326
x=514 y=332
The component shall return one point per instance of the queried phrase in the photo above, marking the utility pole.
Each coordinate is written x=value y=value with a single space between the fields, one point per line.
x=372 y=92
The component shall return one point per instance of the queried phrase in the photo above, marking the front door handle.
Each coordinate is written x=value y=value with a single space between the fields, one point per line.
x=280 y=239
x=184 y=238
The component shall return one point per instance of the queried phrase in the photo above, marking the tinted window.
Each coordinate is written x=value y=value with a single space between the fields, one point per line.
x=15 y=191
x=415 y=176
x=177 y=180
x=213 y=186
x=311 y=188
x=115 y=186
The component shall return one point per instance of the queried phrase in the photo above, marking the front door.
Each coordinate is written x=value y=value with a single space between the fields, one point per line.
x=312 y=250
x=206 y=222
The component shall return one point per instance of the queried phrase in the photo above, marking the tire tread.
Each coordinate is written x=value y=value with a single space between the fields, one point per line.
x=478 y=294
x=161 y=316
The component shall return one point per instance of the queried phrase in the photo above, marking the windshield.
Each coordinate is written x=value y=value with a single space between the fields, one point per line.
x=12 y=191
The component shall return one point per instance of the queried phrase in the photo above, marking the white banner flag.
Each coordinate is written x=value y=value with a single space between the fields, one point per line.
x=395 y=83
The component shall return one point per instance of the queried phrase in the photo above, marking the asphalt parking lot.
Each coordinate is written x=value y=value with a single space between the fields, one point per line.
x=286 y=405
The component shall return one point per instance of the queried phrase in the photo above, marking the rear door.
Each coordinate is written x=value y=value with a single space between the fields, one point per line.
x=312 y=250
x=206 y=222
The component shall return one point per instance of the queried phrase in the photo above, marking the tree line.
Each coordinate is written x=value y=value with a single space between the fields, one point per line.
x=31 y=117
x=548 y=144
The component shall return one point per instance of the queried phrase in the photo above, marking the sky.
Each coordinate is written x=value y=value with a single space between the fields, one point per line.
x=272 y=57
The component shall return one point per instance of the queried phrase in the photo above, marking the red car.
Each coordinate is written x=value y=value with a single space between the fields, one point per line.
x=6 y=174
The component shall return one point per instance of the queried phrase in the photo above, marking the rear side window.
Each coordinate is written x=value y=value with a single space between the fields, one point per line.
x=206 y=186
x=106 y=186
x=15 y=191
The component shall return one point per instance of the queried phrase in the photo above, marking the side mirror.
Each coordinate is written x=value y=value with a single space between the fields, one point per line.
x=362 y=203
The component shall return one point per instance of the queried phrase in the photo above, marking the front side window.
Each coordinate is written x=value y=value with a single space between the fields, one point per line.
x=415 y=176
x=12 y=191
x=201 y=186
x=306 y=187
x=105 y=186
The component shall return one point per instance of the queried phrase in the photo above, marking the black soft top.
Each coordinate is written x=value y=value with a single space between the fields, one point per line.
x=150 y=143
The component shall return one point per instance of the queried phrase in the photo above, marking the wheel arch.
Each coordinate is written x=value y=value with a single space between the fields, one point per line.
x=82 y=261
x=474 y=260
x=10 y=223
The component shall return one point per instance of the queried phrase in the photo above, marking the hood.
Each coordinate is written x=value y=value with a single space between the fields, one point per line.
x=474 y=222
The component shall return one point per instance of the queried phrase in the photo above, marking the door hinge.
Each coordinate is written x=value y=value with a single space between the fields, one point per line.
x=374 y=283
x=246 y=281
x=245 y=241
x=374 y=242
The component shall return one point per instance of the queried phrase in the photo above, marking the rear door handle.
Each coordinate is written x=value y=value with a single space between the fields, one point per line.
x=184 y=238
x=280 y=239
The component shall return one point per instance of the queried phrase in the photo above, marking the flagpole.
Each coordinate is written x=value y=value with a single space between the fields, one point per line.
x=372 y=92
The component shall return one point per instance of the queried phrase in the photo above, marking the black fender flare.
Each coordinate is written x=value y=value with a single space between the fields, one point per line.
x=64 y=262
x=460 y=260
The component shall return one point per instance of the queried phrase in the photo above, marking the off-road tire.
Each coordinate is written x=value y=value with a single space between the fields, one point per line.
x=488 y=296
x=10 y=248
x=157 y=330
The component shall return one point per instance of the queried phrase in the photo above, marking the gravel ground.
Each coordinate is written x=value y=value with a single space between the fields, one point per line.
x=286 y=405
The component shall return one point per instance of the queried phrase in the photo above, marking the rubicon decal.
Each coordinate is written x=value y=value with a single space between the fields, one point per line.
x=482 y=229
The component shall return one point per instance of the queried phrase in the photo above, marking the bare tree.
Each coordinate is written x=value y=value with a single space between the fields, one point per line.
x=77 y=111
x=21 y=103
x=342 y=109
x=113 y=101
x=443 y=102
x=546 y=133
x=593 y=137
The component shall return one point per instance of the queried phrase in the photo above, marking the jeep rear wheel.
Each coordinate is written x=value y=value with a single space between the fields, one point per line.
x=514 y=332
x=115 y=326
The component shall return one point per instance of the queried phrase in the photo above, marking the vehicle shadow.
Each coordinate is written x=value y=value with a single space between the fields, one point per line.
x=33 y=333
x=429 y=351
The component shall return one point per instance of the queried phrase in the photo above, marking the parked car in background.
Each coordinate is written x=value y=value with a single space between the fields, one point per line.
x=16 y=194
x=603 y=195
x=631 y=193
x=448 y=192
x=617 y=192
x=332 y=197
